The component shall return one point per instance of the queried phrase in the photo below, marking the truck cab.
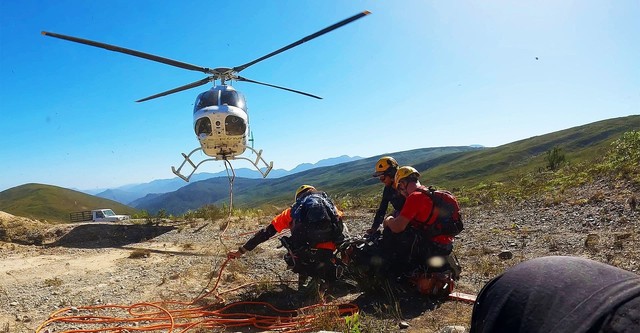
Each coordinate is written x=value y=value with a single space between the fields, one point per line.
x=107 y=215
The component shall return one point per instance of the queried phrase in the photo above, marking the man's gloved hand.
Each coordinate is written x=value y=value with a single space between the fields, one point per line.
x=236 y=254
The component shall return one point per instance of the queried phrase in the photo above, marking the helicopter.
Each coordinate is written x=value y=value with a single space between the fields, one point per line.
x=220 y=118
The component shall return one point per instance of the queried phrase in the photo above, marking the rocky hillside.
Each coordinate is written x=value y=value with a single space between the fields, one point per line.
x=90 y=265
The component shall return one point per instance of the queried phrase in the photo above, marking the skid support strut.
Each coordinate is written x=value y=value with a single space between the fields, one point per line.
x=256 y=163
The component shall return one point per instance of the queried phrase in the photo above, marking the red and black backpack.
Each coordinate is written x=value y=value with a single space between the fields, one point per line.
x=446 y=209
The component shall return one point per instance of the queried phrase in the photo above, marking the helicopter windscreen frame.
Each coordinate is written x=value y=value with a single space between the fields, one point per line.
x=220 y=97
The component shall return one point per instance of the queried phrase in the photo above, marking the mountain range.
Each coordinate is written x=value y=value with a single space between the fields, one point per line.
x=444 y=167
x=127 y=194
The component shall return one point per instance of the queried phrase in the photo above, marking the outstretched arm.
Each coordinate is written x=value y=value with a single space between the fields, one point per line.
x=259 y=237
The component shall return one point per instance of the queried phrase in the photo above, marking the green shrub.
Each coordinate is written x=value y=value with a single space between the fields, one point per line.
x=623 y=159
x=555 y=158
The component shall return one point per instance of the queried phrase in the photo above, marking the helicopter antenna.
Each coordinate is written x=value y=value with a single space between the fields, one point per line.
x=251 y=140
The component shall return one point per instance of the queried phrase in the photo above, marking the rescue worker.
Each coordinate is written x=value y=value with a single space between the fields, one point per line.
x=386 y=168
x=405 y=235
x=311 y=252
x=559 y=294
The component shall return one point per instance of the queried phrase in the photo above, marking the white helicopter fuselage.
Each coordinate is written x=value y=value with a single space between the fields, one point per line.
x=221 y=122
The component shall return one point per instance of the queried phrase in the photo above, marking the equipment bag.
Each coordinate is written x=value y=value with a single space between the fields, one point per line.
x=315 y=220
x=448 y=220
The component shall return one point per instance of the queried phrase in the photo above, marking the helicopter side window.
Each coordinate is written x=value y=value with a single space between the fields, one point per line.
x=203 y=126
x=234 y=125
x=233 y=98
x=207 y=98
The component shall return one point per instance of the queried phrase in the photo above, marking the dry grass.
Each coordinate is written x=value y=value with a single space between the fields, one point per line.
x=326 y=318
x=140 y=253
x=55 y=282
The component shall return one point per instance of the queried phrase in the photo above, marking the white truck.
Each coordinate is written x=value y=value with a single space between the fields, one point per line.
x=97 y=215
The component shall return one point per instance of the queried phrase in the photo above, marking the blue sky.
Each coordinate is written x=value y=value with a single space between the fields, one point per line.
x=412 y=74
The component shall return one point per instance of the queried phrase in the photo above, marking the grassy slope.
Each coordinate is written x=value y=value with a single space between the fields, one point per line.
x=579 y=144
x=445 y=167
x=53 y=203
x=341 y=179
x=196 y=195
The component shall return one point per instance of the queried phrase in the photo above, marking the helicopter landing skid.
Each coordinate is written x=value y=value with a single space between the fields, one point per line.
x=259 y=158
x=187 y=159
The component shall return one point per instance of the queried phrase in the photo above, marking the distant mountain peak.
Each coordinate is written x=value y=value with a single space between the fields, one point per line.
x=127 y=194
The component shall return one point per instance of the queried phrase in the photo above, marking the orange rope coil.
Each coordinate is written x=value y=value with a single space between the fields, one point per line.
x=175 y=316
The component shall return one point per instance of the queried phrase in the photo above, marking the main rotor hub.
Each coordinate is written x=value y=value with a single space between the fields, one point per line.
x=224 y=74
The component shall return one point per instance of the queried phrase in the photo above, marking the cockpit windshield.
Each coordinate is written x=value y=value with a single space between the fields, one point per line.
x=233 y=98
x=207 y=98
x=224 y=97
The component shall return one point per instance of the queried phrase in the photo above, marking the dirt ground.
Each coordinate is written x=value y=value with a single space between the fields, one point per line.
x=99 y=263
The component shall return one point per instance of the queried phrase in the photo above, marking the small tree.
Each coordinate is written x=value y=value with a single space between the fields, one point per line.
x=555 y=158
x=162 y=214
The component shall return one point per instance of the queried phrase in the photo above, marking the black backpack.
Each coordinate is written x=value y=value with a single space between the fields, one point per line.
x=448 y=221
x=315 y=220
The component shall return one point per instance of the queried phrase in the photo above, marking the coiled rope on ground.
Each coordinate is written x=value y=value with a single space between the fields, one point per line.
x=176 y=316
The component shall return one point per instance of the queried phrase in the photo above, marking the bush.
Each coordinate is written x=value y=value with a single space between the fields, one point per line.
x=624 y=157
x=555 y=158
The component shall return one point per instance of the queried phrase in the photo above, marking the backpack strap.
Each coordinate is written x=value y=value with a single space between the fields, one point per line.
x=430 y=192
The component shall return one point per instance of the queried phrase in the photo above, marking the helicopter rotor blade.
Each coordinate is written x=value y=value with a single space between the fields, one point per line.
x=305 y=39
x=175 y=90
x=130 y=52
x=240 y=78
